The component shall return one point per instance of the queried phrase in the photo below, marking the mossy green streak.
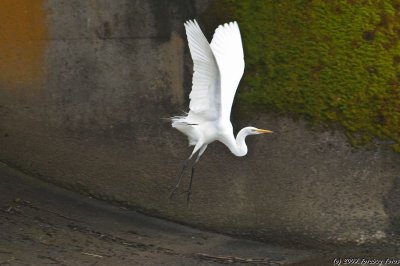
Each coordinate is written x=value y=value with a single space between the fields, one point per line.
x=327 y=61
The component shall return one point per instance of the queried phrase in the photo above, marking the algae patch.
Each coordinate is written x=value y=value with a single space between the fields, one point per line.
x=327 y=61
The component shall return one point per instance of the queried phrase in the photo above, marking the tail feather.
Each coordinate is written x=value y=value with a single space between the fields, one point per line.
x=180 y=123
x=178 y=120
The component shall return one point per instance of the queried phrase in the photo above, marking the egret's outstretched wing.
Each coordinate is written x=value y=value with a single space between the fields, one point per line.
x=228 y=51
x=205 y=96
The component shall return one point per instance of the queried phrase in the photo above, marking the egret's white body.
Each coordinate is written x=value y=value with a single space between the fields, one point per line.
x=218 y=68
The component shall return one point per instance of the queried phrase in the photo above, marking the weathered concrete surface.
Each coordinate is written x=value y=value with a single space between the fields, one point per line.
x=114 y=69
x=72 y=229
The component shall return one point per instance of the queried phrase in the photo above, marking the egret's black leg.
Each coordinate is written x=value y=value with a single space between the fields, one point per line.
x=179 y=178
x=199 y=150
x=189 y=191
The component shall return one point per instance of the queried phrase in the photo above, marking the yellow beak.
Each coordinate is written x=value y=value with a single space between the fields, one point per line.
x=263 y=131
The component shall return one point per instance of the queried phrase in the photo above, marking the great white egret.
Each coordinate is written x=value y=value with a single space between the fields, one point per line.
x=218 y=68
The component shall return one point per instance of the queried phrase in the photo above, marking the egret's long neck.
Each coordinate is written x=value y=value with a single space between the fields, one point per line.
x=240 y=149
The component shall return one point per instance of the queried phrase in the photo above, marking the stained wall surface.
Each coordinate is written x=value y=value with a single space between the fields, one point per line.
x=85 y=87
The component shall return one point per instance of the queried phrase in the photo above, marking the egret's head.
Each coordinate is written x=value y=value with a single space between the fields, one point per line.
x=256 y=131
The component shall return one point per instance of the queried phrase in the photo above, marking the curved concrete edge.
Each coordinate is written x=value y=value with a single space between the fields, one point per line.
x=314 y=190
x=61 y=223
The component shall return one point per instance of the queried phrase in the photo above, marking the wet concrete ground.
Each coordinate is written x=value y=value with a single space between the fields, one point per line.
x=41 y=224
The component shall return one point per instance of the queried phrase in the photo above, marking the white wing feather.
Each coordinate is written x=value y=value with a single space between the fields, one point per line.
x=205 y=95
x=217 y=70
x=228 y=51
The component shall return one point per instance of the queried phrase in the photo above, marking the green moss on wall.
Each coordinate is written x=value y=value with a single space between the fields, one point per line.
x=329 y=61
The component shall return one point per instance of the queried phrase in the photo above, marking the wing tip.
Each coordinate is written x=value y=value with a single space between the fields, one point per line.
x=230 y=24
x=190 y=22
x=194 y=22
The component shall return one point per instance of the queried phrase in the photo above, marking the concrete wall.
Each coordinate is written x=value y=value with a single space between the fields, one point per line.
x=84 y=88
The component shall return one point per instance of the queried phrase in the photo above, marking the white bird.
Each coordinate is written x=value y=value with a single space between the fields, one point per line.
x=218 y=68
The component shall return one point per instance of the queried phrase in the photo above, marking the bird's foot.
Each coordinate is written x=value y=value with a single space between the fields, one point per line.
x=189 y=192
x=173 y=191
